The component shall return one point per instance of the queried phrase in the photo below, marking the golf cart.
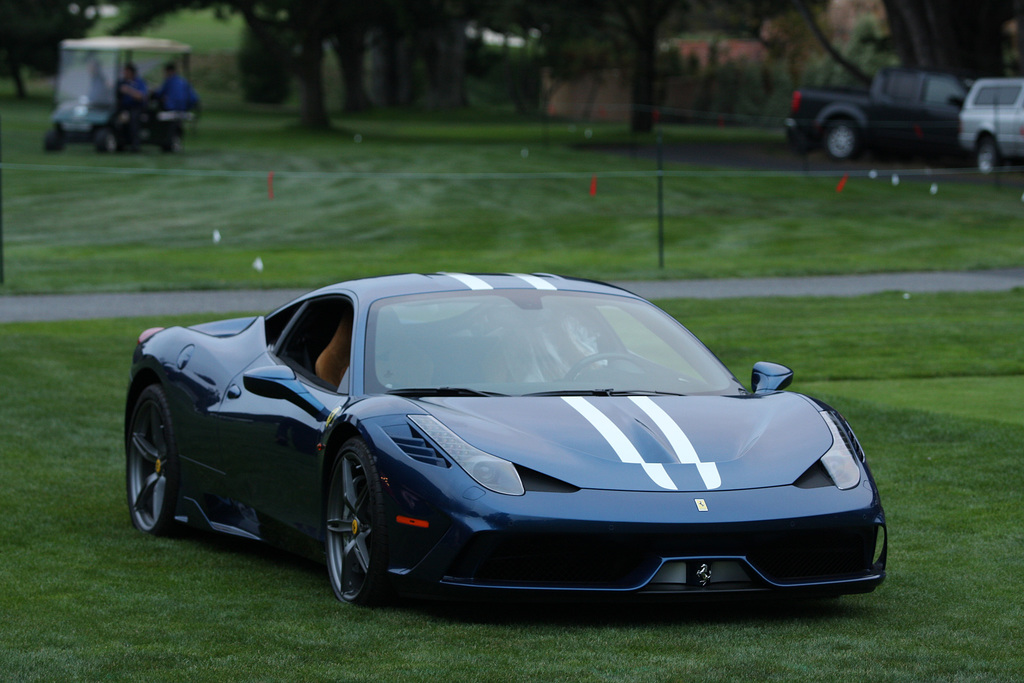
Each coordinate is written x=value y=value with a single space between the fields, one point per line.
x=86 y=94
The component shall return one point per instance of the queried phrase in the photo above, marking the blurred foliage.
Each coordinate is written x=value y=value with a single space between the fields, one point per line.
x=30 y=33
x=264 y=78
x=870 y=48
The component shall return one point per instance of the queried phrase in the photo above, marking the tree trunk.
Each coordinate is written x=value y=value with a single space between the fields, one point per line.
x=350 y=47
x=950 y=34
x=1018 y=11
x=445 y=56
x=309 y=70
x=644 y=76
x=391 y=69
x=14 y=66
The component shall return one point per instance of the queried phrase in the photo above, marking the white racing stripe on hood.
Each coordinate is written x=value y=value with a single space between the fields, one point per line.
x=679 y=441
x=534 y=281
x=471 y=281
x=622 y=446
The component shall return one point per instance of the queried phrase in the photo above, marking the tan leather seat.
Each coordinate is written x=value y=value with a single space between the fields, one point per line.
x=333 y=361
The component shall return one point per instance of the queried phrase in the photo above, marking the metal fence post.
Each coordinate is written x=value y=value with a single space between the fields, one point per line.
x=1 y=203
x=661 y=203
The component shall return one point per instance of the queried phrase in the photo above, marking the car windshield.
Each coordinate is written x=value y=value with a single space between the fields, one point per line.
x=518 y=342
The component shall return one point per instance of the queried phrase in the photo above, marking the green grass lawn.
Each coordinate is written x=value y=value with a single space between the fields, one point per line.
x=455 y=191
x=931 y=384
x=86 y=597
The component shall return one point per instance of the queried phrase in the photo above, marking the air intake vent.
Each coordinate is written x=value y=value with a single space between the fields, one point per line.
x=557 y=560
x=812 y=557
x=414 y=446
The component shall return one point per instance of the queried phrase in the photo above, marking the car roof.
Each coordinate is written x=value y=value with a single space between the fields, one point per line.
x=998 y=81
x=385 y=286
x=116 y=43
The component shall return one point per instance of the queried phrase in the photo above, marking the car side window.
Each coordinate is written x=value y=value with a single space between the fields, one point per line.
x=941 y=90
x=986 y=97
x=318 y=343
x=902 y=86
x=997 y=96
x=1008 y=95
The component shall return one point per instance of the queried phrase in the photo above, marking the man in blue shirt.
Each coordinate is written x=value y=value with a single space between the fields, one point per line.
x=131 y=98
x=176 y=94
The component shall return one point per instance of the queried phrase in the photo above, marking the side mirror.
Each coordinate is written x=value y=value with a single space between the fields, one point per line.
x=768 y=377
x=280 y=382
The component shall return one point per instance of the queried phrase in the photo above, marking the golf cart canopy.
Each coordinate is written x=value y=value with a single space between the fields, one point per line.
x=126 y=43
x=89 y=67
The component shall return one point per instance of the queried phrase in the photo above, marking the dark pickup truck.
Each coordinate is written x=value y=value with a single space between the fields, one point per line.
x=907 y=111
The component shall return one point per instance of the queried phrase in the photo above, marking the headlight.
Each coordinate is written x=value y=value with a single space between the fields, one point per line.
x=840 y=461
x=489 y=471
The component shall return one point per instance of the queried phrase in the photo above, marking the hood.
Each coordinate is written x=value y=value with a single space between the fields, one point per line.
x=645 y=443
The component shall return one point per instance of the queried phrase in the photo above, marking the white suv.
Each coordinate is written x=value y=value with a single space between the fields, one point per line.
x=992 y=121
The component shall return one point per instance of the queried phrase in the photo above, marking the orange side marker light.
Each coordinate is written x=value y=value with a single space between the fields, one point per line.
x=412 y=521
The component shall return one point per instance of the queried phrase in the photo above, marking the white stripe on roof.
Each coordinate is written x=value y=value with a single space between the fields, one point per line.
x=534 y=281
x=471 y=281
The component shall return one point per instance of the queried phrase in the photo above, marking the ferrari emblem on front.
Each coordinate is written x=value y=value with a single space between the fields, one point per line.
x=701 y=505
x=704 y=575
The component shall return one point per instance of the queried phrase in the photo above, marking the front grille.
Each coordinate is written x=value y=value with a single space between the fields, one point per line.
x=812 y=556
x=609 y=560
x=559 y=560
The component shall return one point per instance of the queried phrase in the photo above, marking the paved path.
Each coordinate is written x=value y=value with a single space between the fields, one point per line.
x=32 y=308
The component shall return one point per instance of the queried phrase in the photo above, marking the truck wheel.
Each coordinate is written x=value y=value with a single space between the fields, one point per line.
x=988 y=155
x=842 y=140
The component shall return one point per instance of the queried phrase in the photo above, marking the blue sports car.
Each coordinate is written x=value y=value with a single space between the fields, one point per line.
x=498 y=436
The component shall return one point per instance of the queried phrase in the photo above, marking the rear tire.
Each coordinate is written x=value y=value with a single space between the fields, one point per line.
x=988 y=156
x=843 y=139
x=356 y=538
x=174 y=141
x=152 y=468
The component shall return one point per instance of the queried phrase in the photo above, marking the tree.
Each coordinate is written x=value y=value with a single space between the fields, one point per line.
x=30 y=34
x=293 y=31
x=950 y=34
x=642 y=22
x=805 y=13
x=348 y=40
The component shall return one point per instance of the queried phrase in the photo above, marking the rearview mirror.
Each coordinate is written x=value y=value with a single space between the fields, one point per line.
x=768 y=377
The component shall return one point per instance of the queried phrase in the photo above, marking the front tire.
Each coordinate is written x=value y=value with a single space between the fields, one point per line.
x=152 y=469
x=356 y=540
x=988 y=156
x=53 y=141
x=842 y=140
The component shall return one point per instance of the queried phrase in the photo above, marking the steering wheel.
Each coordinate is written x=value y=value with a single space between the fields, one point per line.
x=584 y=363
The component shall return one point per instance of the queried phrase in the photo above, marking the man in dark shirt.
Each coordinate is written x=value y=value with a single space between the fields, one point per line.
x=176 y=94
x=131 y=98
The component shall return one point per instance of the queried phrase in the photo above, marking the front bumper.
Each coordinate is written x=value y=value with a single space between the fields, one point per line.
x=609 y=544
